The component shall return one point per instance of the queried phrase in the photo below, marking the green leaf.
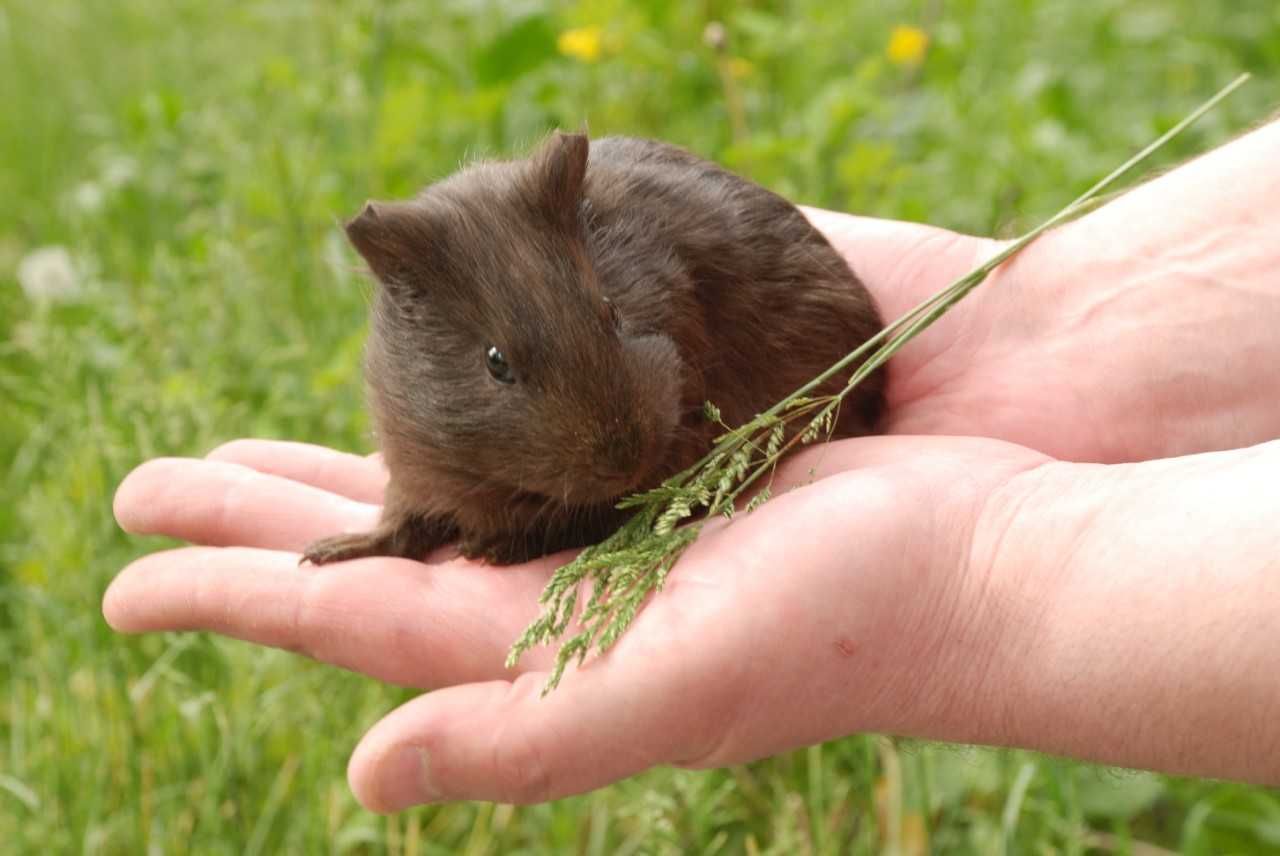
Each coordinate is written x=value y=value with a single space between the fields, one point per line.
x=518 y=50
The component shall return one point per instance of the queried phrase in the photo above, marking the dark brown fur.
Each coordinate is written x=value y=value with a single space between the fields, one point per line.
x=627 y=282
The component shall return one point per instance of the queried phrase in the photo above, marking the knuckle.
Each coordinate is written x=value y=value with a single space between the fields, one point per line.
x=233 y=498
x=305 y=630
x=521 y=768
x=522 y=772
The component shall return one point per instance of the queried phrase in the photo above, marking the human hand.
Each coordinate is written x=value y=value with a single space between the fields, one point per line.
x=1016 y=360
x=850 y=603
x=948 y=588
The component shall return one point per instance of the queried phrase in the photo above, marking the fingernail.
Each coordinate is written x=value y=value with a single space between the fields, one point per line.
x=406 y=778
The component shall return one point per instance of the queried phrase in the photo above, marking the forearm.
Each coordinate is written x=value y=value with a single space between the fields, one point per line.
x=1170 y=298
x=1217 y=213
x=1139 y=614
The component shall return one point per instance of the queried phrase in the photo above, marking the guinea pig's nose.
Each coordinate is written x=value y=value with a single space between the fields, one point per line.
x=622 y=453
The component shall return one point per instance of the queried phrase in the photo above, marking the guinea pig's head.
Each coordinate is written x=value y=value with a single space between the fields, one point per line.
x=494 y=359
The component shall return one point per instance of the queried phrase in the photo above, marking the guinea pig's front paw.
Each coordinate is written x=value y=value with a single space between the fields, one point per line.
x=340 y=548
x=403 y=536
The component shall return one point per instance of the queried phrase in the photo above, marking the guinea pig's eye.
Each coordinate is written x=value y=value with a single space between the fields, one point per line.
x=497 y=365
x=614 y=315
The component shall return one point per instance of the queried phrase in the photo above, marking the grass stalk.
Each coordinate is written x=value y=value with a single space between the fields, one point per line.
x=634 y=561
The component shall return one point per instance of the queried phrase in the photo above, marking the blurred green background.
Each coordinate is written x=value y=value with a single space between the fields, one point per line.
x=184 y=165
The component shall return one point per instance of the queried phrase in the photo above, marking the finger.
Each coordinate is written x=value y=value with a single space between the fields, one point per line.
x=901 y=263
x=669 y=691
x=821 y=460
x=218 y=503
x=500 y=741
x=362 y=478
x=393 y=619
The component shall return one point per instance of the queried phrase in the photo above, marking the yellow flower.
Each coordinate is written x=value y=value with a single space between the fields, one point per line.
x=907 y=45
x=740 y=68
x=581 y=43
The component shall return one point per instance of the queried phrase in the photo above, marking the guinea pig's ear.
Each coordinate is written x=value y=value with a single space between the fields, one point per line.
x=559 y=169
x=390 y=236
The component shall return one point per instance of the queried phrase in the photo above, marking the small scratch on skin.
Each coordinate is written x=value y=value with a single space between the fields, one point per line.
x=845 y=646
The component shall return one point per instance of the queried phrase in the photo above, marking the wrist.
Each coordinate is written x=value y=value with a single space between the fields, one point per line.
x=1137 y=614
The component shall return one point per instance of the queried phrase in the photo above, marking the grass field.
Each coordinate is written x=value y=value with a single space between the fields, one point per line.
x=194 y=158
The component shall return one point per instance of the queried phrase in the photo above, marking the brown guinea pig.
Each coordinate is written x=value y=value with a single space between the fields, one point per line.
x=546 y=331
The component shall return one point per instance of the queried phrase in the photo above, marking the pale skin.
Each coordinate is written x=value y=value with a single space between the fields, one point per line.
x=1066 y=542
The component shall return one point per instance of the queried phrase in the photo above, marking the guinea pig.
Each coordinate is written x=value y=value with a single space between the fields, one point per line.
x=545 y=332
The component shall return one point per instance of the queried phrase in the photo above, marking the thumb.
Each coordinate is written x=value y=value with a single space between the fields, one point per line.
x=502 y=741
x=900 y=263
